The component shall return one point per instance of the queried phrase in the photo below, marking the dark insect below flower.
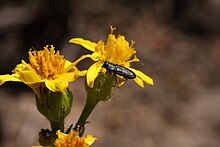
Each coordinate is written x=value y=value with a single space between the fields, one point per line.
x=119 y=70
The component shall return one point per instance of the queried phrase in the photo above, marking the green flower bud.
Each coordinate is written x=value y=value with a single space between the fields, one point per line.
x=102 y=91
x=55 y=106
x=103 y=87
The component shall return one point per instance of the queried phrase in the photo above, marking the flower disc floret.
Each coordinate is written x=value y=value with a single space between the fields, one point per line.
x=47 y=63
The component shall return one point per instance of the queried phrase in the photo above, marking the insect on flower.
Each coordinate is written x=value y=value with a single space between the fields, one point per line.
x=119 y=52
x=119 y=70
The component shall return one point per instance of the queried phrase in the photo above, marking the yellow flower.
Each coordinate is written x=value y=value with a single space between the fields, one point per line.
x=73 y=140
x=117 y=51
x=45 y=67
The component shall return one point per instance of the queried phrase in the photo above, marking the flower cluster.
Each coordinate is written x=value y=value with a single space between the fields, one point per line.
x=48 y=74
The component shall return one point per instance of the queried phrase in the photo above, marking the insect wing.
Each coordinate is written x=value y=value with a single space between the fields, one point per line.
x=109 y=66
x=122 y=71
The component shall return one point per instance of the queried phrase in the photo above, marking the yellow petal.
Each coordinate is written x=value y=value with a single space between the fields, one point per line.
x=85 y=43
x=70 y=76
x=29 y=77
x=96 y=56
x=67 y=63
x=123 y=50
x=81 y=58
x=135 y=59
x=69 y=66
x=56 y=85
x=139 y=82
x=121 y=81
x=5 y=78
x=142 y=76
x=20 y=67
x=66 y=76
x=90 y=139
x=60 y=134
x=120 y=84
x=110 y=45
x=92 y=73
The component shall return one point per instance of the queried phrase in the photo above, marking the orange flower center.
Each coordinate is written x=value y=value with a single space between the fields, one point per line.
x=47 y=62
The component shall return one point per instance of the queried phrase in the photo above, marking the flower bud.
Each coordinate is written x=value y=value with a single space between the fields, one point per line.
x=55 y=106
x=103 y=87
x=101 y=91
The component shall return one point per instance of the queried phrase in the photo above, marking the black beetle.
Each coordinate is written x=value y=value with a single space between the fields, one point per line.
x=119 y=70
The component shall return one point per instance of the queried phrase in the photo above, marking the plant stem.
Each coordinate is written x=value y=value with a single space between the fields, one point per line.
x=88 y=108
x=57 y=125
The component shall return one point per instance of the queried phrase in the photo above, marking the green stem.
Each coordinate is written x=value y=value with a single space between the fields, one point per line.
x=88 y=108
x=57 y=125
x=101 y=91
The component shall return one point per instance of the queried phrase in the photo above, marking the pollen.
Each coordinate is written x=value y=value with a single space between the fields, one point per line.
x=47 y=63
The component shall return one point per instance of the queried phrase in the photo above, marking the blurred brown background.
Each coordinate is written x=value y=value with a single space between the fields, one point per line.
x=177 y=41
